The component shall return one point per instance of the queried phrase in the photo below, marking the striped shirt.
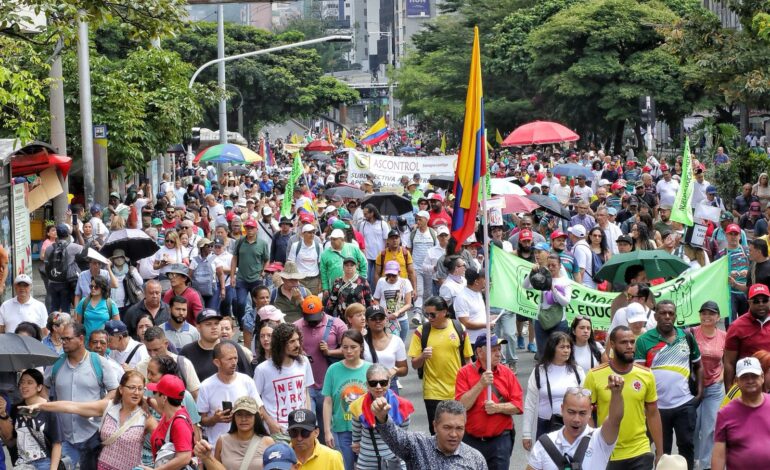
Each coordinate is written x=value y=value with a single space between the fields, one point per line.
x=367 y=457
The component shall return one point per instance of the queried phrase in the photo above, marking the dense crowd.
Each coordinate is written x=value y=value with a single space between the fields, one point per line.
x=257 y=338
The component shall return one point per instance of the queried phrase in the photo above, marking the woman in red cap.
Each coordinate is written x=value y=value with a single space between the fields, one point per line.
x=172 y=440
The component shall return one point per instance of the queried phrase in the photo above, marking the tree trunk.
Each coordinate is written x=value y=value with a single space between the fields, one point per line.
x=640 y=147
x=618 y=146
x=744 y=113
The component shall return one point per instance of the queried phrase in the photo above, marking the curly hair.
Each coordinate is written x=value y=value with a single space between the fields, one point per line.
x=281 y=335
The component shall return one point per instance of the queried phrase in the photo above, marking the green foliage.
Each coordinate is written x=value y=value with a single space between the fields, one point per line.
x=332 y=56
x=717 y=134
x=744 y=167
x=275 y=87
x=20 y=89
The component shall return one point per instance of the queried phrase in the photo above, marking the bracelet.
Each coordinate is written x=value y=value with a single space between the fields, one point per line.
x=4 y=417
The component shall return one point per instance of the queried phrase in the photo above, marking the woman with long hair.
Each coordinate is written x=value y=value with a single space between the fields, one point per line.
x=761 y=189
x=203 y=220
x=383 y=347
x=38 y=438
x=144 y=322
x=588 y=352
x=372 y=451
x=95 y=309
x=640 y=233
x=247 y=438
x=597 y=241
x=555 y=372
x=345 y=381
x=347 y=290
x=125 y=421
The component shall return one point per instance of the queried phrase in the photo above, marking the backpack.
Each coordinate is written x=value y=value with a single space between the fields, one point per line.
x=300 y=244
x=426 y=333
x=108 y=301
x=564 y=462
x=56 y=264
x=95 y=363
x=203 y=277
x=414 y=234
x=134 y=291
x=404 y=253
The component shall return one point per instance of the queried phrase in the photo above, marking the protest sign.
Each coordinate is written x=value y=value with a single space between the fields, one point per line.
x=387 y=170
x=688 y=292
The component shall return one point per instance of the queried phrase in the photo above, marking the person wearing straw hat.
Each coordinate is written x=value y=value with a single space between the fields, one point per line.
x=179 y=275
x=671 y=462
x=121 y=270
x=288 y=297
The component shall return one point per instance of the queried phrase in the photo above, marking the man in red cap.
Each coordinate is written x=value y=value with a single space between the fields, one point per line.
x=438 y=215
x=559 y=245
x=749 y=333
x=250 y=256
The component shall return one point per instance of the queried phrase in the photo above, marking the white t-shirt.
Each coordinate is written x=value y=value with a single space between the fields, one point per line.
x=450 y=289
x=699 y=191
x=375 y=235
x=174 y=255
x=470 y=304
x=584 y=194
x=597 y=455
x=391 y=296
x=308 y=259
x=562 y=193
x=213 y=392
x=393 y=352
x=667 y=190
x=12 y=313
x=223 y=261
x=584 y=258
x=283 y=391
x=120 y=356
x=585 y=358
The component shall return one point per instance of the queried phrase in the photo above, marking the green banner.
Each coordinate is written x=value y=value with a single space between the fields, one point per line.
x=688 y=291
x=682 y=210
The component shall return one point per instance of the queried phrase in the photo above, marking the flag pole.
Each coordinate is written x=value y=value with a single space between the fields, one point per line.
x=485 y=232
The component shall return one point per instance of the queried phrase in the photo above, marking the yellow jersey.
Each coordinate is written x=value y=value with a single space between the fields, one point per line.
x=440 y=371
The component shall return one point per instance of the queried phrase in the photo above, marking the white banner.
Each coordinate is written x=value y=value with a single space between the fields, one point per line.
x=387 y=170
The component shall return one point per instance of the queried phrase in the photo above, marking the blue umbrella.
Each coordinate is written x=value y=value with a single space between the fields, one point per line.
x=572 y=170
x=408 y=149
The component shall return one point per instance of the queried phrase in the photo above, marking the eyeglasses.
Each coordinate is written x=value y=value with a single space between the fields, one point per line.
x=579 y=391
x=94 y=286
x=295 y=433
x=762 y=300
x=66 y=339
x=382 y=383
x=171 y=275
x=134 y=388
x=431 y=315
x=170 y=241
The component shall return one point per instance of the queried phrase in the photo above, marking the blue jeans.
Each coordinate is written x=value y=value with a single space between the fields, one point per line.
x=343 y=441
x=403 y=325
x=705 y=423
x=242 y=292
x=83 y=453
x=371 y=265
x=318 y=409
x=506 y=329
x=541 y=335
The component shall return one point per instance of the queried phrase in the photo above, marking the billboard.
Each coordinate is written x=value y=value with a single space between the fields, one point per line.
x=417 y=8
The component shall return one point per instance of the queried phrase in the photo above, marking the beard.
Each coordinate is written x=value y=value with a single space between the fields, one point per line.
x=622 y=358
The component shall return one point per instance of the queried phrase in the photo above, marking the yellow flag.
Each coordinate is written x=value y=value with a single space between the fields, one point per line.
x=443 y=143
x=349 y=144
x=498 y=137
x=344 y=134
x=486 y=139
x=294 y=139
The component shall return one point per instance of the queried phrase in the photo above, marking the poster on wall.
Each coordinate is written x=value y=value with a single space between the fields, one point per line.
x=5 y=222
x=22 y=244
x=417 y=8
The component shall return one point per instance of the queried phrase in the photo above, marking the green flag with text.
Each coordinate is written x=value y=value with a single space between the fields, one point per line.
x=682 y=210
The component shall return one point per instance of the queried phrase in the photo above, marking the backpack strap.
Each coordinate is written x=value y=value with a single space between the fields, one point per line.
x=461 y=333
x=328 y=329
x=131 y=355
x=580 y=452
x=553 y=453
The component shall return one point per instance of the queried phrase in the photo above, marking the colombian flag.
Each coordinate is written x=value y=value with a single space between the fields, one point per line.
x=377 y=133
x=472 y=158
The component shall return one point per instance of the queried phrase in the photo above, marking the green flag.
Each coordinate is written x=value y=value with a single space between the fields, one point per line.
x=682 y=210
x=288 y=195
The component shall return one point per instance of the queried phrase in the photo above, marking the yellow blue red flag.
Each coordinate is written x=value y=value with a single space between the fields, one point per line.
x=472 y=158
x=377 y=133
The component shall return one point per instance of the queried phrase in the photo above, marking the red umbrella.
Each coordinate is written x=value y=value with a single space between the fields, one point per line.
x=319 y=145
x=539 y=132
x=22 y=165
x=515 y=203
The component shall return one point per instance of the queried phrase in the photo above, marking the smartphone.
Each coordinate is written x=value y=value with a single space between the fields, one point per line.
x=227 y=406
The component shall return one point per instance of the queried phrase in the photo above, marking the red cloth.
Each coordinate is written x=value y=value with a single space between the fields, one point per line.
x=747 y=336
x=359 y=239
x=441 y=218
x=194 y=303
x=181 y=433
x=479 y=423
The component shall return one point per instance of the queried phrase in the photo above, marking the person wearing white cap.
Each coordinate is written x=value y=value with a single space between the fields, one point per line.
x=420 y=241
x=584 y=256
x=744 y=422
x=433 y=256
x=306 y=255
x=23 y=307
x=332 y=259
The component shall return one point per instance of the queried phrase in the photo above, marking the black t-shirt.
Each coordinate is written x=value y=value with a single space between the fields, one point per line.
x=759 y=273
x=32 y=431
x=203 y=360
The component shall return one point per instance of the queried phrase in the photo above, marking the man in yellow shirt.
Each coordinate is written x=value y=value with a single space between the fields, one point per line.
x=440 y=347
x=394 y=251
x=640 y=413
x=311 y=454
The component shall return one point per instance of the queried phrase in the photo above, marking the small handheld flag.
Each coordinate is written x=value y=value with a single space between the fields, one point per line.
x=377 y=133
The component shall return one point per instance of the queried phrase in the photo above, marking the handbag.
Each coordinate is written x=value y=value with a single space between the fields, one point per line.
x=383 y=464
x=250 y=451
x=551 y=316
x=47 y=448
x=167 y=451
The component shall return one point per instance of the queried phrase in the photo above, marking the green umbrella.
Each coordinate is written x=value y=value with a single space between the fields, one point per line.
x=657 y=263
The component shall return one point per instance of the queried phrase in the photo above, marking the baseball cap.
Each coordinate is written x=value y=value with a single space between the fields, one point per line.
x=374 y=311
x=168 y=385
x=306 y=218
x=115 y=327
x=616 y=185
x=270 y=312
x=542 y=246
x=481 y=341
x=604 y=182
x=349 y=259
x=279 y=457
x=635 y=313
x=219 y=241
x=709 y=305
x=625 y=239
x=337 y=233
x=203 y=242
x=436 y=197
x=340 y=225
x=733 y=228
x=312 y=308
x=247 y=404
x=302 y=419
x=285 y=221
x=558 y=234
x=208 y=314
x=22 y=279
x=711 y=189
x=394 y=233
x=758 y=289
x=577 y=230
x=639 y=184
x=267 y=210
x=330 y=209
x=748 y=365
x=392 y=267
x=250 y=223
x=612 y=211
x=423 y=214
x=442 y=230
x=755 y=207
x=308 y=228
x=525 y=234
x=228 y=204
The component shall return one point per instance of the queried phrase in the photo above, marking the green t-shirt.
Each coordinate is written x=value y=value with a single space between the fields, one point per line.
x=344 y=385
x=251 y=259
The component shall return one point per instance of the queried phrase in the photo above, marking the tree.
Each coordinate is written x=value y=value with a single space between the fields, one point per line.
x=332 y=56
x=275 y=87
x=594 y=60
x=21 y=88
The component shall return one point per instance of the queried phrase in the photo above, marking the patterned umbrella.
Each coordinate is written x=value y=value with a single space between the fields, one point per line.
x=227 y=153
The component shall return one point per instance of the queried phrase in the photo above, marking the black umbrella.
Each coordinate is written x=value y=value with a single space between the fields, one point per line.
x=443 y=182
x=319 y=157
x=134 y=242
x=19 y=352
x=346 y=192
x=176 y=148
x=389 y=203
x=550 y=205
x=237 y=169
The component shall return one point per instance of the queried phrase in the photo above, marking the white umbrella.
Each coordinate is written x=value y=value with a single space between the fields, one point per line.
x=96 y=256
x=502 y=186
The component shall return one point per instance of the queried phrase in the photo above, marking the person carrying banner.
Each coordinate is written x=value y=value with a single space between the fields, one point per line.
x=551 y=316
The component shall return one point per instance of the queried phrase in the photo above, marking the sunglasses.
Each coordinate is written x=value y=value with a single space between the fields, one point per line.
x=382 y=383
x=431 y=315
x=294 y=433
x=93 y=286
x=762 y=300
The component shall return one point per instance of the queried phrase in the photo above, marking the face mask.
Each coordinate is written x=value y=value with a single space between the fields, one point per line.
x=119 y=261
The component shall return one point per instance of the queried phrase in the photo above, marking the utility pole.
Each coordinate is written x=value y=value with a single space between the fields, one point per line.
x=58 y=129
x=221 y=73
x=86 y=121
